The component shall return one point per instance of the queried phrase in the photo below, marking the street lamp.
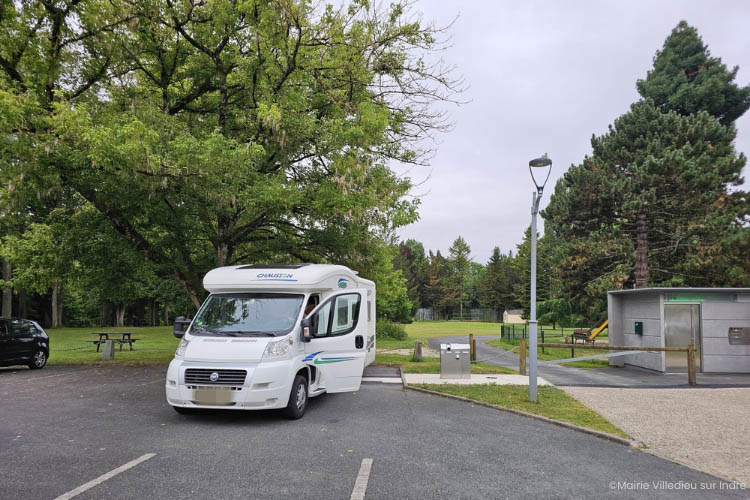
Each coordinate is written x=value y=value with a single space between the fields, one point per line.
x=538 y=165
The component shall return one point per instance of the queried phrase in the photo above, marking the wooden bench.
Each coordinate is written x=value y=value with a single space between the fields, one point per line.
x=581 y=334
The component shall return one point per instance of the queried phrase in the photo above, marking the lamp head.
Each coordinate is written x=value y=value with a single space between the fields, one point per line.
x=538 y=165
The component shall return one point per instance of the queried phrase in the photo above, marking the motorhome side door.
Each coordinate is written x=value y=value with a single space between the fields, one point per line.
x=337 y=347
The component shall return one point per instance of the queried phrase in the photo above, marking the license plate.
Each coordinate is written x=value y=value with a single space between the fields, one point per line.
x=213 y=395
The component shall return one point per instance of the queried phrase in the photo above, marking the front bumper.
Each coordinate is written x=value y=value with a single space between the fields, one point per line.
x=267 y=386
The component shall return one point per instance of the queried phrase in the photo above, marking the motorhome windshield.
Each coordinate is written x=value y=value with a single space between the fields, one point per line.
x=251 y=314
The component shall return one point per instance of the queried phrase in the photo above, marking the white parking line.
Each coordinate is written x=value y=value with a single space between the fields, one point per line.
x=360 y=485
x=104 y=477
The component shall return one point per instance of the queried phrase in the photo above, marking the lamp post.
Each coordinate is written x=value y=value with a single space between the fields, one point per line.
x=539 y=165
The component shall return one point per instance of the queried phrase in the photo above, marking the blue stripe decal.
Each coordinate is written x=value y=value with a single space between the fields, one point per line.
x=310 y=357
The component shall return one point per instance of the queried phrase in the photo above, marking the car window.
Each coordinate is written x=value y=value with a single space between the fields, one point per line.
x=345 y=313
x=337 y=316
x=22 y=327
x=320 y=320
x=3 y=328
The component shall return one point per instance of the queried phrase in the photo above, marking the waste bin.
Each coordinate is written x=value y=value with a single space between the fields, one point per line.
x=454 y=361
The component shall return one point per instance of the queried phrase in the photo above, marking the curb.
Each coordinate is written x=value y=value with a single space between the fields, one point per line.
x=602 y=435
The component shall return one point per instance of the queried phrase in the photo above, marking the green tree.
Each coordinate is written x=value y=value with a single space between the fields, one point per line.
x=215 y=133
x=436 y=284
x=496 y=287
x=413 y=264
x=547 y=285
x=659 y=182
x=457 y=289
x=687 y=79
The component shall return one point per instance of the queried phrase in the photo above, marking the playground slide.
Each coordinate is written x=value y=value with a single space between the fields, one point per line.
x=599 y=330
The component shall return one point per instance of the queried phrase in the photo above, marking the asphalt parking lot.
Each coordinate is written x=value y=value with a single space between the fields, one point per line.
x=62 y=427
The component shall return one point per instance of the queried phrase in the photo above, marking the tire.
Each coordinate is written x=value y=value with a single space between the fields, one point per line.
x=185 y=411
x=297 y=399
x=38 y=360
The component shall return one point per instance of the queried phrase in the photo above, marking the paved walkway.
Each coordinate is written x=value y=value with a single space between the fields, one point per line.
x=707 y=429
x=476 y=379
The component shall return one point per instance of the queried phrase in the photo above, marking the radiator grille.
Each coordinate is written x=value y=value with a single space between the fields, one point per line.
x=202 y=376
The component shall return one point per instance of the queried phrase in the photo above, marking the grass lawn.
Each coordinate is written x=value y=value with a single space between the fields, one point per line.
x=423 y=330
x=431 y=365
x=156 y=345
x=561 y=353
x=552 y=403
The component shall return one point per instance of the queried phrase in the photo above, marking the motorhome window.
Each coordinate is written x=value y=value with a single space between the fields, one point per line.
x=345 y=313
x=320 y=321
x=236 y=314
x=338 y=316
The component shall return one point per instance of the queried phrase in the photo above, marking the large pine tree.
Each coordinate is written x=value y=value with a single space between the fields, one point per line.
x=686 y=79
x=658 y=203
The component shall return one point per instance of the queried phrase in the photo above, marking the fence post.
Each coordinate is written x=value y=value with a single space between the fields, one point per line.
x=472 y=348
x=691 y=364
x=522 y=358
x=417 y=351
x=542 y=341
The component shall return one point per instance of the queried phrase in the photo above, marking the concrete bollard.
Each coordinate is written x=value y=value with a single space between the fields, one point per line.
x=108 y=353
x=417 y=351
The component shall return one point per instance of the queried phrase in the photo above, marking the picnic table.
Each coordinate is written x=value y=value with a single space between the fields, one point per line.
x=581 y=334
x=125 y=338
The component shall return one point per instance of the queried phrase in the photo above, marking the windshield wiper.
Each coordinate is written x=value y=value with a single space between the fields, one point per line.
x=239 y=333
x=201 y=329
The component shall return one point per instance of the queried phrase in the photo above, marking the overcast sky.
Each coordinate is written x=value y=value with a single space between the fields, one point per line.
x=543 y=76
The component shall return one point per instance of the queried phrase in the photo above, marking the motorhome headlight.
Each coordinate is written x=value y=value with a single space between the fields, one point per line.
x=182 y=347
x=277 y=348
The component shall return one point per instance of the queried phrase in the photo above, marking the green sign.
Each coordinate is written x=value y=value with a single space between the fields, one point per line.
x=701 y=297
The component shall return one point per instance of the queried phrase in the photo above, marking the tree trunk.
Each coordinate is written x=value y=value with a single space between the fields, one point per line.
x=152 y=311
x=55 y=305
x=21 y=303
x=120 y=315
x=104 y=315
x=7 y=310
x=641 y=254
x=166 y=315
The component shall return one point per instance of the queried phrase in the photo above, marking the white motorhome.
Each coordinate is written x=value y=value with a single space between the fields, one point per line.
x=272 y=337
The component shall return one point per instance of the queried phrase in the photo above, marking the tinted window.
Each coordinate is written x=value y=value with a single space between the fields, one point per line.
x=22 y=327
x=3 y=328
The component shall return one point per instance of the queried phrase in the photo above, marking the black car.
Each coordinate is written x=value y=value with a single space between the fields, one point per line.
x=23 y=342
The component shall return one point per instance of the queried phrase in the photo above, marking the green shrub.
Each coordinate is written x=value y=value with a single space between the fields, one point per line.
x=390 y=330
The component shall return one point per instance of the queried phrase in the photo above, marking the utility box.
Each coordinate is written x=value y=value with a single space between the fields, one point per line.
x=455 y=361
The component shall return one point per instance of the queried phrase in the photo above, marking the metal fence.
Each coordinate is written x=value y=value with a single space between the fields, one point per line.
x=474 y=314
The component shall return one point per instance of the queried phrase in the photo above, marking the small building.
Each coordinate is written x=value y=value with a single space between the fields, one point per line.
x=715 y=320
x=511 y=316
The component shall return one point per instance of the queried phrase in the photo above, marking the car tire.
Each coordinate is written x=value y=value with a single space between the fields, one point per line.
x=38 y=360
x=297 y=399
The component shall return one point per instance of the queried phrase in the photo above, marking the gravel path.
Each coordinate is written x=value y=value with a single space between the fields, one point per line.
x=706 y=429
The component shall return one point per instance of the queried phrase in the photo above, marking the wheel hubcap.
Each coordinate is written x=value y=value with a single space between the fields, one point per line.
x=301 y=396
x=39 y=359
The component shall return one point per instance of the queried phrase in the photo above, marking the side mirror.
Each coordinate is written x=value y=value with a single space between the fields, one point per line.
x=181 y=325
x=306 y=330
